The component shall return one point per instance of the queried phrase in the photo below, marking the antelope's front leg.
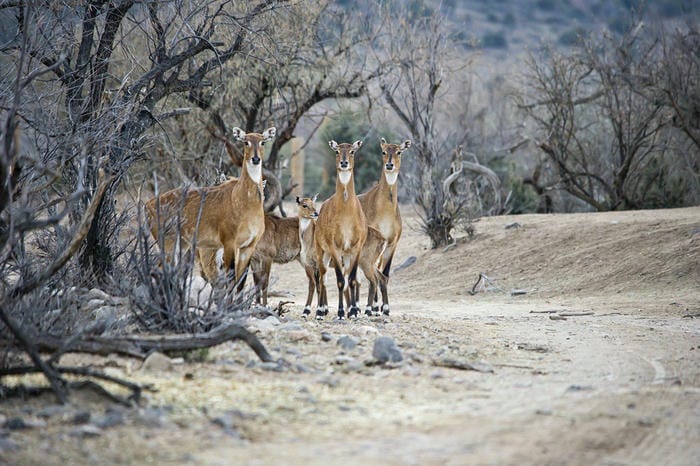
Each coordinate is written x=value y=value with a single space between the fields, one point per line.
x=354 y=310
x=387 y=257
x=322 y=297
x=311 y=276
x=242 y=259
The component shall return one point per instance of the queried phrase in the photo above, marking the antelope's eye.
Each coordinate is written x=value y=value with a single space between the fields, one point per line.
x=262 y=143
x=248 y=143
x=398 y=152
x=337 y=152
x=383 y=152
x=352 y=152
x=305 y=206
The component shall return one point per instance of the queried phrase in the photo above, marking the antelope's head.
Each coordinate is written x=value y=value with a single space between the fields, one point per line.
x=391 y=155
x=345 y=159
x=253 y=151
x=307 y=207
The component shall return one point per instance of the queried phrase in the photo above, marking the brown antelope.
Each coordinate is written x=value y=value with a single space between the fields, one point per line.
x=232 y=216
x=341 y=231
x=307 y=253
x=284 y=240
x=380 y=205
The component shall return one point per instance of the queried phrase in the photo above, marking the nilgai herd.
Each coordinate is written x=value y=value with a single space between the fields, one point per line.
x=230 y=231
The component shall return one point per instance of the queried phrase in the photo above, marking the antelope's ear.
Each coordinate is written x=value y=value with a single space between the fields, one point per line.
x=238 y=134
x=356 y=145
x=333 y=145
x=315 y=197
x=298 y=200
x=406 y=144
x=383 y=141
x=269 y=133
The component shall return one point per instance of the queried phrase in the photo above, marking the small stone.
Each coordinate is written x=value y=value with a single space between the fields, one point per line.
x=152 y=417
x=85 y=431
x=325 y=336
x=271 y=366
x=94 y=304
x=385 y=350
x=340 y=360
x=347 y=342
x=112 y=418
x=81 y=417
x=15 y=423
x=157 y=362
x=96 y=293
x=54 y=410
x=367 y=330
x=7 y=444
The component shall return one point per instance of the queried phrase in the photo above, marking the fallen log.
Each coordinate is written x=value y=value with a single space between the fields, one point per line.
x=140 y=346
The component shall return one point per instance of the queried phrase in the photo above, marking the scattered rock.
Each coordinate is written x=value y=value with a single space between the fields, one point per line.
x=157 y=362
x=263 y=326
x=271 y=366
x=81 y=417
x=347 y=342
x=86 y=431
x=18 y=423
x=516 y=292
x=513 y=225
x=367 y=330
x=15 y=423
x=543 y=412
x=97 y=293
x=340 y=360
x=7 y=444
x=299 y=335
x=385 y=350
x=329 y=380
x=325 y=336
x=94 y=304
x=54 y=410
x=112 y=418
x=152 y=417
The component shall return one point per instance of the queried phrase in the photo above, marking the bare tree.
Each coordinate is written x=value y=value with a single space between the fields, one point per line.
x=607 y=141
x=417 y=91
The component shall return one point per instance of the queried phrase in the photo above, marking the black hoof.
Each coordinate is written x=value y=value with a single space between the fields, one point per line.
x=375 y=310
x=319 y=315
x=368 y=312
x=385 y=312
x=341 y=314
x=306 y=313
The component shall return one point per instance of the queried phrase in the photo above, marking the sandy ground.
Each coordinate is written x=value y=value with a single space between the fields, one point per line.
x=620 y=386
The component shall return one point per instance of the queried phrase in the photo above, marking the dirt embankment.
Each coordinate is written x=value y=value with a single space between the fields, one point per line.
x=616 y=383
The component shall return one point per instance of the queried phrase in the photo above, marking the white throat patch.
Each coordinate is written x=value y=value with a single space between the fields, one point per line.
x=304 y=224
x=254 y=171
x=391 y=177
x=344 y=176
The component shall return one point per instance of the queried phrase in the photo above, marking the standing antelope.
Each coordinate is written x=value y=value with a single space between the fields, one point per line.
x=232 y=216
x=307 y=252
x=284 y=240
x=341 y=231
x=380 y=205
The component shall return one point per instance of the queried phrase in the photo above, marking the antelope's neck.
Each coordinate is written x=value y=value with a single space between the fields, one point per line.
x=388 y=192
x=248 y=183
x=347 y=189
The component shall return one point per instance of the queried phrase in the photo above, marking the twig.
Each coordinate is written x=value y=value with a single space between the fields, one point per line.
x=543 y=312
x=576 y=313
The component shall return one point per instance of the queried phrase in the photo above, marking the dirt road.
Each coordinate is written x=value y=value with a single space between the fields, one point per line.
x=619 y=385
